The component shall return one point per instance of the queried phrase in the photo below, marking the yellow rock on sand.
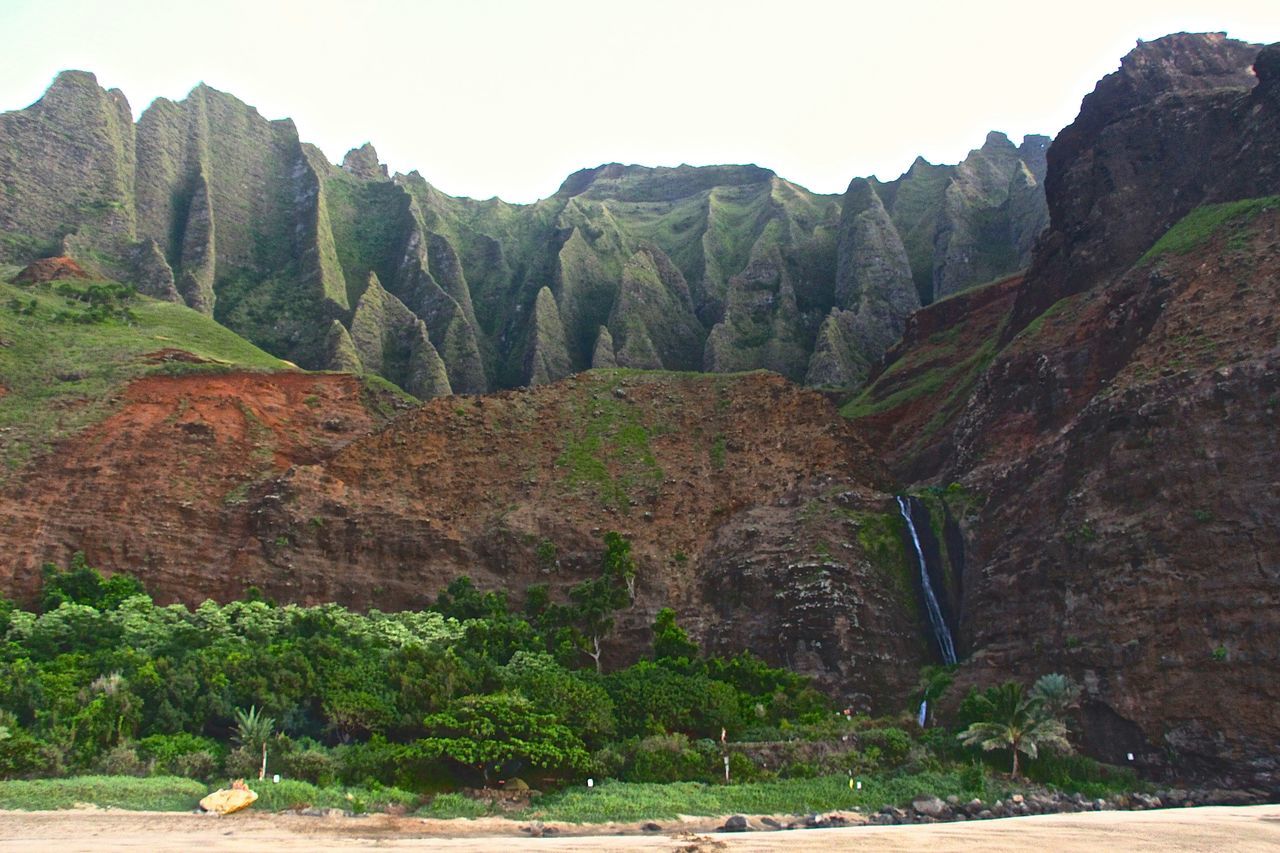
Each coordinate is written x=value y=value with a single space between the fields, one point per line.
x=229 y=800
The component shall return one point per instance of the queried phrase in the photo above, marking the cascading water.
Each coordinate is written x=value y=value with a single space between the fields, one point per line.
x=940 y=630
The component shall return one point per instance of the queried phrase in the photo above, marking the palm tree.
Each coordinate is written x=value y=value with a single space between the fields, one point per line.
x=253 y=730
x=1057 y=693
x=1016 y=721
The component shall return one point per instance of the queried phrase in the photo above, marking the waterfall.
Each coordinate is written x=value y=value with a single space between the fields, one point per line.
x=923 y=715
x=940 y=630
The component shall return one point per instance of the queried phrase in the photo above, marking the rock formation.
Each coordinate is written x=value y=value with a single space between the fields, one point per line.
x=1110 y=419
x=719 y=267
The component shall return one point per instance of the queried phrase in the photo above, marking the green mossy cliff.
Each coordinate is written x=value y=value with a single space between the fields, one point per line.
x=717 y=268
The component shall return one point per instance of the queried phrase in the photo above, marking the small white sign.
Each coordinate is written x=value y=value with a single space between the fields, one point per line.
x=1131 y=756
x=591 y=783
x=859 y=785
x=276 y=778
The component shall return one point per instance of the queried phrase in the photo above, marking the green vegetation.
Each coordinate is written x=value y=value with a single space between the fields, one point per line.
x=608 y=447
x=635 y=801
x=68 y=345
x=471 y=691
x=365 y=712
x=156 y=793
x=1023 y=724
x=1200 y=225
x=926 y=384
x=1057 y=309
x=881 y=537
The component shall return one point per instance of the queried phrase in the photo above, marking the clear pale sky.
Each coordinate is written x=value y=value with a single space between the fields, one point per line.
x=499 y=97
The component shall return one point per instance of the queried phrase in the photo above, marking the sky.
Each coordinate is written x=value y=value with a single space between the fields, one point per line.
x=506 y=98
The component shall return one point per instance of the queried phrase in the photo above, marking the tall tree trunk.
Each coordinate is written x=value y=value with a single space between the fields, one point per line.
x=1016 y=744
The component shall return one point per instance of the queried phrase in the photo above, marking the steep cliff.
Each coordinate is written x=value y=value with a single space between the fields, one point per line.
x=754 y=509
x=1112 y=415
x=720 y=268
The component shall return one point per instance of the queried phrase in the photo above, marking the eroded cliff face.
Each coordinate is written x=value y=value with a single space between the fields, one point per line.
x=161 y=485
x=754 y=508
x=1120 y=435
x=717 y=268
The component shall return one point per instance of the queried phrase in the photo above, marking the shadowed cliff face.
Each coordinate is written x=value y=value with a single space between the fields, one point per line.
x=717 y=268
x=1121 y=428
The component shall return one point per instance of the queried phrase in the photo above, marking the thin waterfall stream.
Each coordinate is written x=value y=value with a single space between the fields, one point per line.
x=940 y=630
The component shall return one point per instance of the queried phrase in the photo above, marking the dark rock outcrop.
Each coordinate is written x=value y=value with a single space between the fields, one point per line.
x=1114 y=437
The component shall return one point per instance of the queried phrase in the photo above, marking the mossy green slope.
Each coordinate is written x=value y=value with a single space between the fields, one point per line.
x=60 y=373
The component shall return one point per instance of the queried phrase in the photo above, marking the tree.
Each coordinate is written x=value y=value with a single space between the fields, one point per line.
x=83 y=584
x=596 y=600
x=618 y=564
x=502 y=731
x=253 y=728
x=1057 y=694
x=575 y=698
x=1014 y=720
x=670 y=641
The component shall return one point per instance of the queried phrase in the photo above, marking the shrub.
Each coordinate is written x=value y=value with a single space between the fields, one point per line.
x=314 y=765
x=893 y=744
x=446 y=806
x=121 y=760
x=22 y=755
x=669 y=758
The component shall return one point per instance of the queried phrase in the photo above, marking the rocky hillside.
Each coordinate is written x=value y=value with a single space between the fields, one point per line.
x=720 y=268
x=755 y=510
x=1114 y=412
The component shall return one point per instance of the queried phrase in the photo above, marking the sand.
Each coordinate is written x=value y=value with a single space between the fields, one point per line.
x=1209 y=828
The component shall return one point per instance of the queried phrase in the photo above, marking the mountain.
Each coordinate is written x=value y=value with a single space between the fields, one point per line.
x=717 y=268
x=1087 y=446
x=1113 y=412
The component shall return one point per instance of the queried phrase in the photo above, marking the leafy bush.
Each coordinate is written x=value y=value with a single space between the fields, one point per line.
x=669 y=758
x=449 y=805
x=121 y=760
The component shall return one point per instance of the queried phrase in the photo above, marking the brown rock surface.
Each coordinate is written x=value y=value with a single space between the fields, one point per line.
x=49 y=269
x=1122 y=444
x=744 y=497
x=159 y=487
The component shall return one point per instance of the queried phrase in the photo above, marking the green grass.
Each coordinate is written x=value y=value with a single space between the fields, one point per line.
x=1033 y=328
x=453 y=805
x=627 y=801
x=292 y=794
x=60 y=376
x=927 y=383
x=1200 y=225
x=157 y=793
x=175 y=794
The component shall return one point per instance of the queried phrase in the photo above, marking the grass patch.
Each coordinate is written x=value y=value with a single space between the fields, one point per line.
x=453 y=805
x=927 y=383
x=156 y=793
x=1200 y=225
x=608 y=449
x=628 y=801
x=291 y=794
x=175 y=794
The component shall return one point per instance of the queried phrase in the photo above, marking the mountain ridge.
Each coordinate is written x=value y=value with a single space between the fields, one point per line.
x=256 y=228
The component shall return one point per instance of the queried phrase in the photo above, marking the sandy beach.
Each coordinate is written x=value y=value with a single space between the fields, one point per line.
x=1236 y=828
